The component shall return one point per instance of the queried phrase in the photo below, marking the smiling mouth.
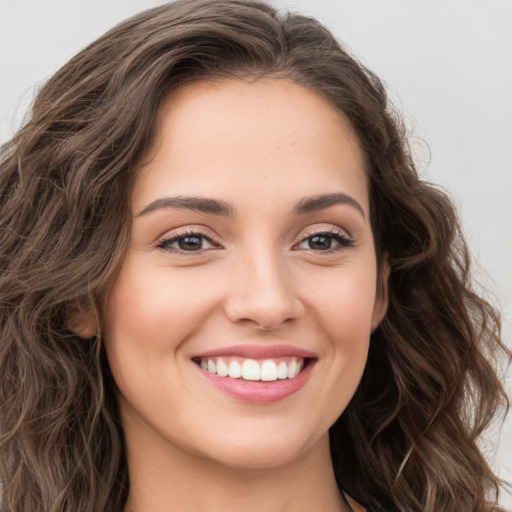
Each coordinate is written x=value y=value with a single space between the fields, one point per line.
x=264 y=370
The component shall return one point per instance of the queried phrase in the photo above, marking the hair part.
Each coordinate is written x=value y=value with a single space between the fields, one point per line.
x=408 y=439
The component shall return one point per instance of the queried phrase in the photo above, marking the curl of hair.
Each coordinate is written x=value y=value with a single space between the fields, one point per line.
x=408 y=439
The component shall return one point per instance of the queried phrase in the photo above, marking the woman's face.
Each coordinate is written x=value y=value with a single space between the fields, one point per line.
x=251 y=253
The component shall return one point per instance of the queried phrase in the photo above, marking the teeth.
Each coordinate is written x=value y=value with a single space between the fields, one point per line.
x=222 y=368
x=249 y=369
x=292 y=368
x=235 y=370
x=282 y=370
x=269 y=371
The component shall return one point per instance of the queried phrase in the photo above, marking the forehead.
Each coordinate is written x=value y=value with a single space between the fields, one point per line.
x=232 y=137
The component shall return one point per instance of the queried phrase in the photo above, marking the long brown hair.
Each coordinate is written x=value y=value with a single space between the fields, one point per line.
x=408 y=439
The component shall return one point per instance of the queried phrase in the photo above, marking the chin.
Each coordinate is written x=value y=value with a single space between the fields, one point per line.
x=262 y=450
x=256 y=459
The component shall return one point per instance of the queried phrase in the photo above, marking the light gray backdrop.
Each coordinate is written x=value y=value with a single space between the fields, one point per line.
x=448 y=67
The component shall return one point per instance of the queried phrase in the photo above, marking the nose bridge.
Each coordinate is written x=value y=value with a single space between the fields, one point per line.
x=262 y=291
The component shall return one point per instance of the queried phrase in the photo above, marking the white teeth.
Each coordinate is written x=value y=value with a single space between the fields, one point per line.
x=292 y=368
x=222 y=368
x=269 y=371
x=282 y=370
x=251 y=370
x=235 y=370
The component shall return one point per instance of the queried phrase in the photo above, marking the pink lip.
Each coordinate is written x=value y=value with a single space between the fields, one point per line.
x=257 y=352
x=258 y=392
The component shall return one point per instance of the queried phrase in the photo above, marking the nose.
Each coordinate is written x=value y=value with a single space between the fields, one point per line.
x=262 y=292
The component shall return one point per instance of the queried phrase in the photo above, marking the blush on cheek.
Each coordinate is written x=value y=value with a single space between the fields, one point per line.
x=347 y=310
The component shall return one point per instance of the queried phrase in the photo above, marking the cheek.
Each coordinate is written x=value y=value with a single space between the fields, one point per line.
x=343 y=306
x=148 y=316
x=154 y=308
x=149 y=313
x=344 y=301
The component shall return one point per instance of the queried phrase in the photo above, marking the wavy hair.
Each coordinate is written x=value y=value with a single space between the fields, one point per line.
x=408 y=439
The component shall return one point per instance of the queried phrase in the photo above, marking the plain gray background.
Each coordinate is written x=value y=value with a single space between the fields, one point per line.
x=447 y=64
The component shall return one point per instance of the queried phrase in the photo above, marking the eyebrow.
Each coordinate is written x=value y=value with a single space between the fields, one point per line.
x=320 y=202
x=217 y=207
x=198 y=204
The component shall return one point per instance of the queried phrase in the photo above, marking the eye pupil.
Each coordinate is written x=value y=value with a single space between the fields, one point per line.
x=320 y=242
x=190 y=243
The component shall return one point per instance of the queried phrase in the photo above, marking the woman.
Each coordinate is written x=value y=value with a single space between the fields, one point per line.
x=224 y=286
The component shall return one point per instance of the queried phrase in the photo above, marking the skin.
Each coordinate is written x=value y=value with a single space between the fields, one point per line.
x=261 y=147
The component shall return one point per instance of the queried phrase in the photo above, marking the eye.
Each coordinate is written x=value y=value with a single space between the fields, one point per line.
x=325 y=241
x=186 y=243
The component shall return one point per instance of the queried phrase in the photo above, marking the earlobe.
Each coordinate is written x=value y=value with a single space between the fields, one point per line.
x=382 y=296
x=81 y=320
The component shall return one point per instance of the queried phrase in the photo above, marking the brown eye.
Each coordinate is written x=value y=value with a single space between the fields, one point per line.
x=325 y=242
x=320 y=242
x=190 y=243
x=187 y=243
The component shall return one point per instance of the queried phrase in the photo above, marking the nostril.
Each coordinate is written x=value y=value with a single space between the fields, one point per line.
x=264 y=305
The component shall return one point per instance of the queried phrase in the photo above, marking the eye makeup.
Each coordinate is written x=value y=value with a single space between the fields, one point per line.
x=188 y=241
x=192 y=241
x=325 y=241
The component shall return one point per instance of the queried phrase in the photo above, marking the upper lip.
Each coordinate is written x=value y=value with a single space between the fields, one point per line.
x=257 y=352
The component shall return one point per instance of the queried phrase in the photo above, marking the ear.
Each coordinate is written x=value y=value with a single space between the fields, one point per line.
x=380 y=306
x=81 y=319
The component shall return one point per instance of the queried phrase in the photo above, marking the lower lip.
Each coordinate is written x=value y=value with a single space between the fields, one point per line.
x=259 y=392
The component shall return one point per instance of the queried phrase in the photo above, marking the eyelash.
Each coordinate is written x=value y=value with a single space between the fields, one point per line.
x=167 y=242
x=338 y=236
